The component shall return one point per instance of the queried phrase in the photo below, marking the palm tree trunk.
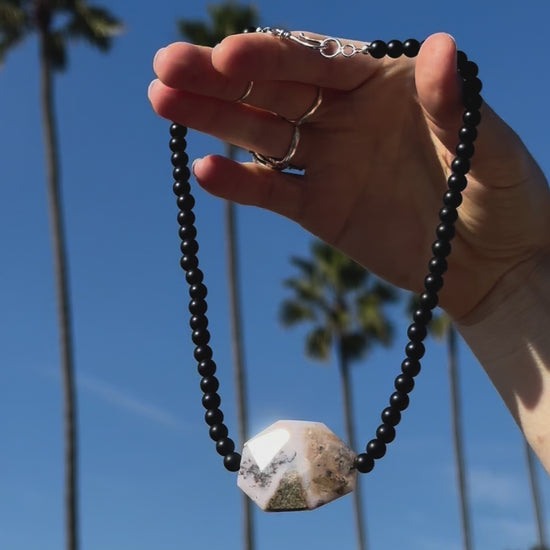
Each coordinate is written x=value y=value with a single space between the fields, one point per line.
x=62 y=294
x=347 y=402
x=456 y=427
x=237 y=347
x=535 y=496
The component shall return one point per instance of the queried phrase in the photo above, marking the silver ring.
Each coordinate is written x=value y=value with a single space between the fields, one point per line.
x=311 y=110
x=282 y=163
x=246 y=93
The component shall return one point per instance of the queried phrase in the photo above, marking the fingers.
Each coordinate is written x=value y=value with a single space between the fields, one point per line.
x=241 y=125
x=188 y=67
x=438 y=87
x=253 y=185
x=260 y=56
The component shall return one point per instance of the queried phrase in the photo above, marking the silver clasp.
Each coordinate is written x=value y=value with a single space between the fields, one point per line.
x=327 y=47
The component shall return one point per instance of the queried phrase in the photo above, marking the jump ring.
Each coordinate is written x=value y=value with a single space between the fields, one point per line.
x=311 y=111
x=246 y=93
x=284 y=162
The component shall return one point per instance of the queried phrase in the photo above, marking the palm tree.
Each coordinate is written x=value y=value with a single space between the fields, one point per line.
x=78 y=20
x=230 y=18
x=344 y=304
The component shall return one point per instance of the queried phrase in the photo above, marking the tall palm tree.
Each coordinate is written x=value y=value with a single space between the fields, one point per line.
x=442 y=328
x=230 y=18
x=77 y=20
x=344 y=304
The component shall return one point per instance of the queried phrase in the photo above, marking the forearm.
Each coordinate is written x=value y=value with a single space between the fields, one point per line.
x=510 y=335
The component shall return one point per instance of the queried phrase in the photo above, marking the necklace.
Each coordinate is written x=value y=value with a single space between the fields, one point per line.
x=297 y=465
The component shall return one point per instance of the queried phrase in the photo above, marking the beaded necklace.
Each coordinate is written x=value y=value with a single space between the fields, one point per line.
x=297 y=465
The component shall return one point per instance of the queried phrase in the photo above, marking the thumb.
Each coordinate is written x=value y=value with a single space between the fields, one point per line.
x=439 y=88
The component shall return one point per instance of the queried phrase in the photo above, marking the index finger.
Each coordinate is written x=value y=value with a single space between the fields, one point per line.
x=263 y=56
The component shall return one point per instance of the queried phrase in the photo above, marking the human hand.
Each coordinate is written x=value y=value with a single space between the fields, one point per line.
x=376 y=155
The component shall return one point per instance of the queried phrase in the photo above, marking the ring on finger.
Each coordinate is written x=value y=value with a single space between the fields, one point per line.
x=280 y=163
x=311 y=111
x=246 y=93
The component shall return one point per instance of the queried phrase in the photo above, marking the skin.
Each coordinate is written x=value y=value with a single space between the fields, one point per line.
x=399 y=120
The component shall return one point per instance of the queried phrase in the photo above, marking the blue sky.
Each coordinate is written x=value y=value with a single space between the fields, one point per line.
x=150 y=477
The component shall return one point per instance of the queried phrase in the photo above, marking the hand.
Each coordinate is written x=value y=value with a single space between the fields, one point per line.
x=376 y=155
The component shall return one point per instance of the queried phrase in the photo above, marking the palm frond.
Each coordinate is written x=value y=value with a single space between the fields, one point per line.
x=56 y=51
x=197 y=32
x=293 y=312
x=94 y=24
x=319 y=343
x=353 y=345
x=14 y=25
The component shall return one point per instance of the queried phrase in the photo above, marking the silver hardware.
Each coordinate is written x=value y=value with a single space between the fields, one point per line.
x=328 y=47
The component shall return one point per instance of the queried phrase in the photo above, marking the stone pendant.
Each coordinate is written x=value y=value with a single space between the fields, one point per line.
x=296 y=465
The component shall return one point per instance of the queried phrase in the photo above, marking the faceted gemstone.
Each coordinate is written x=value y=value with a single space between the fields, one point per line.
x=296 y=465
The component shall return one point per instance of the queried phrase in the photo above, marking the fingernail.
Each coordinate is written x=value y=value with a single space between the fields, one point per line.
x=155 y=59
x=195 y=165
x=151 y=86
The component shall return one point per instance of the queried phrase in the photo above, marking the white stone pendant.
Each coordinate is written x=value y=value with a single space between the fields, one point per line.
x=296 y=465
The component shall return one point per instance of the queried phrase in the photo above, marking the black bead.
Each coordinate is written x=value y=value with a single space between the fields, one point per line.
x=471 y=118
x=378 y=49
x=200 y=337
x=415 y=350
x=198 y=322
x=411 y=47
x=452 y=199
x=225 y=446
x=177 y=144
x=179 y=159
x=461 y=59
x=445 y=231
x=465 y=150
x=468 y=69
x=376 y=448
x=185 y=202
x=468 y=134
x=395 y=49
x=457 y=182
x=438 y=266
x=472 y=86
x=364 y=463
x=422 y=315
x=213 y=416
x=472 y=101
x=181 y=173
x=460 y=165
x=177 y=130
x=428 y=300
x=187 y=232
x=448 y=214
x=404 y=383
x=189 y=263
x=181 y=188
x=197 y=292
x=218 y=431
x=203 y=353
x=441 y=248
x=197 y=307
x=417 y=332
x=209 y=384
x=399 y=400
x=194 y=276
x=433 y=283
x=207 y=368
x=232 y=462
x=410 y=367
x=385 y=433
x=391 y=416
x=211 y=401
x=186 y=218
x=189 y=247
